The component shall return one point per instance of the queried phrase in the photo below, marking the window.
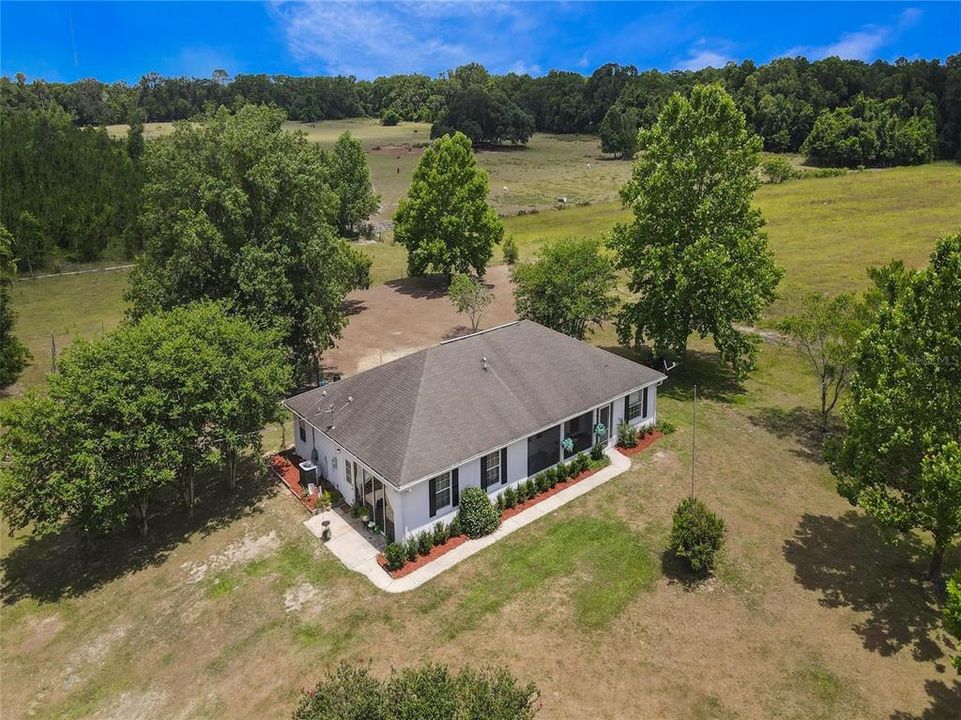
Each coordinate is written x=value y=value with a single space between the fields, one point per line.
x=303 y=430
x=633 y=405
x=491 y=468
x=442 y=490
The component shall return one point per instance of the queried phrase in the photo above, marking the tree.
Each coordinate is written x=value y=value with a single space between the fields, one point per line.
x=235 y=208
x=470 y=296
x=569 y=287
x=418 y=693
x=474 y=106
x=618 y=132
x=133 y=412
x=445 y=222
x=779 y=169
x=825 y=332
x=697 y=259
x=952 y=613
x=350 y=180
x=14 y=355
x=900 y=460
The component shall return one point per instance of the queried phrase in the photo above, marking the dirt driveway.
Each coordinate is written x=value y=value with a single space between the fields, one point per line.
x=402 y=316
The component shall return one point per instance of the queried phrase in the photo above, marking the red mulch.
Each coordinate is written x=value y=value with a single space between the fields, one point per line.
x=285 y=465
x=511 y=512
x=435 y=552
x=642 y=445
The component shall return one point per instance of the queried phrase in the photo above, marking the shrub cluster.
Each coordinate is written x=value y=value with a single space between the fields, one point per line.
x=477 y=516
x=511 y=253
x=431 y=691
x=626 y=435
x=399 y=554
x=697 y=535
x=389 y=118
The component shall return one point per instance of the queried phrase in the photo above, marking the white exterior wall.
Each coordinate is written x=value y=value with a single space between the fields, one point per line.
x=411 y=506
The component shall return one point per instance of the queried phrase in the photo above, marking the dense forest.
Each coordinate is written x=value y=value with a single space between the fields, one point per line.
x=781 y=99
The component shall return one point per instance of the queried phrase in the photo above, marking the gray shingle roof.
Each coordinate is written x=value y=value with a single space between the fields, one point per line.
x=421 y=414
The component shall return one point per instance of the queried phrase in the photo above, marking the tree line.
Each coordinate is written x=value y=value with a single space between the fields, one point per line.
x=781 y=100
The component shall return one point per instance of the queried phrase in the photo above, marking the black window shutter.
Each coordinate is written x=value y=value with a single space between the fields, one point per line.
x=503 y=465
x=644 y=406
x=627 y=401
x=432 y=492
x=454 y=488
x=484 y=473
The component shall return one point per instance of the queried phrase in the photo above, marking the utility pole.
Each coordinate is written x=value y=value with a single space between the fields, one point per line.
x=693 y=439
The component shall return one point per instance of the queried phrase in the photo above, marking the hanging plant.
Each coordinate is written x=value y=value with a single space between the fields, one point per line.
x=568 y=444
x=600 y=430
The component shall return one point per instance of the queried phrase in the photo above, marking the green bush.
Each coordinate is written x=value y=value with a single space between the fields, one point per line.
x=779 y=169
x=396 y=555
x=626 y=435
x=425 y=541
x=556 y=475
x=440 y=534
x=510 y=250
x=477 y=515
x=499 y=504
x=543 y=484
x=581 y=463
x=454 y=529
x=410 y=548
x=510 y=497
x=697 y=535
x=597 y=452
x=389 y=118
x=665 y=427
x=430 y=691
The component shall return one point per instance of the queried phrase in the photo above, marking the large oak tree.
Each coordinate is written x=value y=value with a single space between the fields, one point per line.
x=697 y=259
x=236 y=208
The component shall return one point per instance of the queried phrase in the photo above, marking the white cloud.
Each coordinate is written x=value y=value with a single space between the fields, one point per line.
x=860 y=44
x=368 y=39
x=704 y=54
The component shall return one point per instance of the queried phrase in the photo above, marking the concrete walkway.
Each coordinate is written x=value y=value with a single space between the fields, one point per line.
x=356 y=549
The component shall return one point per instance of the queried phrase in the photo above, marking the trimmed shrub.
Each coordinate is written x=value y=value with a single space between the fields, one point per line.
x=697 y=535
x=410 y=548
x=543 y=484
x=510 y=497
x=581 y=463
x=626 y=435
x=477 y=515
x=554 y=476
x=510 y=250
x=454 y=529
x=440 y=534
x=597 y=452
x=396 y=555
x=415 y=693
x=425 y=541
x=571 y=468
x=499 y=505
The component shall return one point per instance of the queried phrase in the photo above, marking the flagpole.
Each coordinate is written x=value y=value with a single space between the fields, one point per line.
x=693 y=439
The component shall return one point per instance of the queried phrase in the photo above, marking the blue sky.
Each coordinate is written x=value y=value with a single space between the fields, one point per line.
x=123 y=40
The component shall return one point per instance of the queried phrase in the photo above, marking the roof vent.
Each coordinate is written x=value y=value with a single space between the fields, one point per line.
x=485 y=362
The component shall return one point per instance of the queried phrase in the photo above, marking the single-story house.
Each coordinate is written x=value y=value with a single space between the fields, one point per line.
x=487 y=410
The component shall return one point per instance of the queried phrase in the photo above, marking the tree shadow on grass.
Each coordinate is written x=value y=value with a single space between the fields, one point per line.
x=429 y=286
x=677 y=571
x=67 y=564
x=945 y=702
x=802 y=424
x=849 y=562
x=714 y=380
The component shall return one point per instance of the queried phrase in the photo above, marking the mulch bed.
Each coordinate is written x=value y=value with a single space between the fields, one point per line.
x=642 y=445
x=453 y=542
x=435 y=552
